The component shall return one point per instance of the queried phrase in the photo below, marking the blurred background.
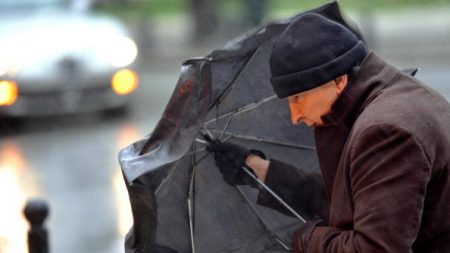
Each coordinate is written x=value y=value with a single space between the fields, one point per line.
x=79 y=80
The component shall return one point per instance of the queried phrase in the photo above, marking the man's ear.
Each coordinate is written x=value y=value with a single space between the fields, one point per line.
x=341 y=83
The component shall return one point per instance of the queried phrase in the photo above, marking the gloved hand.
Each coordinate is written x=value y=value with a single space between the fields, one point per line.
x=302 y=236
x=229 y=159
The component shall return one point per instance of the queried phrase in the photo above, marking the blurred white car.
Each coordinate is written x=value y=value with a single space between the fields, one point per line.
x=56 y=57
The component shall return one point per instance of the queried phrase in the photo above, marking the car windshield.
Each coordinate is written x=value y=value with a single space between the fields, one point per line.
x=28 y=4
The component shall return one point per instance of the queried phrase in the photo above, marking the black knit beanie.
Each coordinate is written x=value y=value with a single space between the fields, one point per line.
x=311 y=51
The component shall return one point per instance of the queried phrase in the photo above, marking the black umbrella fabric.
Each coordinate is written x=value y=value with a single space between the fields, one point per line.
x=179 y=200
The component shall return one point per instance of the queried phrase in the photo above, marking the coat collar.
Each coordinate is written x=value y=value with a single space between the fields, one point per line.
x=374 y=74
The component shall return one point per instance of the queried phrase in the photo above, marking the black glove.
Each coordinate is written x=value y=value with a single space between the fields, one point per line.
x=230 y=158
x=302 y=236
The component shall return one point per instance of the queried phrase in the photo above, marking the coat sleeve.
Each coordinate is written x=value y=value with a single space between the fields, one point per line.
x=389 y=172
x=303 y=191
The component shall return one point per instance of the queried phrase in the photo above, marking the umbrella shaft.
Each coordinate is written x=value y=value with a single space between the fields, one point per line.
x=262 y=184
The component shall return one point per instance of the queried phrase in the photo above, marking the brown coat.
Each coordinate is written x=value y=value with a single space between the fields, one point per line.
x=385 y=159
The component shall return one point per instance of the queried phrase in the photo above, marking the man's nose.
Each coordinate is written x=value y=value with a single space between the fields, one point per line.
x=296 y=116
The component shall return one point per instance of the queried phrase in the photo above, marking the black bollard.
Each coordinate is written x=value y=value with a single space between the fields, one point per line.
x=36 y=210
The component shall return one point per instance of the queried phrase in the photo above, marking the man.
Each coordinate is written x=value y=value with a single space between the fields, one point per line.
x=382 y=140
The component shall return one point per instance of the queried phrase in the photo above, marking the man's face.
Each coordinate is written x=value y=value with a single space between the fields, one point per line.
x=311 y=105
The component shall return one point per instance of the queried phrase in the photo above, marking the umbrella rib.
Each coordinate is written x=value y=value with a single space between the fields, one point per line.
x=263 y=221
x=230 y=86
x=201 y=159
x=225 y=127
x=201 y=141
x=194 y=152
x=242 y=109
x=253 y=138
x=166 y=178
x=191 y=203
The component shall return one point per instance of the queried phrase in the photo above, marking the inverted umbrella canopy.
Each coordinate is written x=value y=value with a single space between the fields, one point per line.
x=179 y=200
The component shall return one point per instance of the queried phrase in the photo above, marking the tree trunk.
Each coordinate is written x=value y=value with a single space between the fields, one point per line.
x=204 y=13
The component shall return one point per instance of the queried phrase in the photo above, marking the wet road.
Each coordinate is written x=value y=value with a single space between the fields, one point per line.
x=72 y=163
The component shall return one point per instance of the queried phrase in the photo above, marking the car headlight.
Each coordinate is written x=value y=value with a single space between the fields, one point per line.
x=120 y=52
x=124 y=81
x=8 y=92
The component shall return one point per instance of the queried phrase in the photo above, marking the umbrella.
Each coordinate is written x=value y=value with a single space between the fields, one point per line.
x=179 y=200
